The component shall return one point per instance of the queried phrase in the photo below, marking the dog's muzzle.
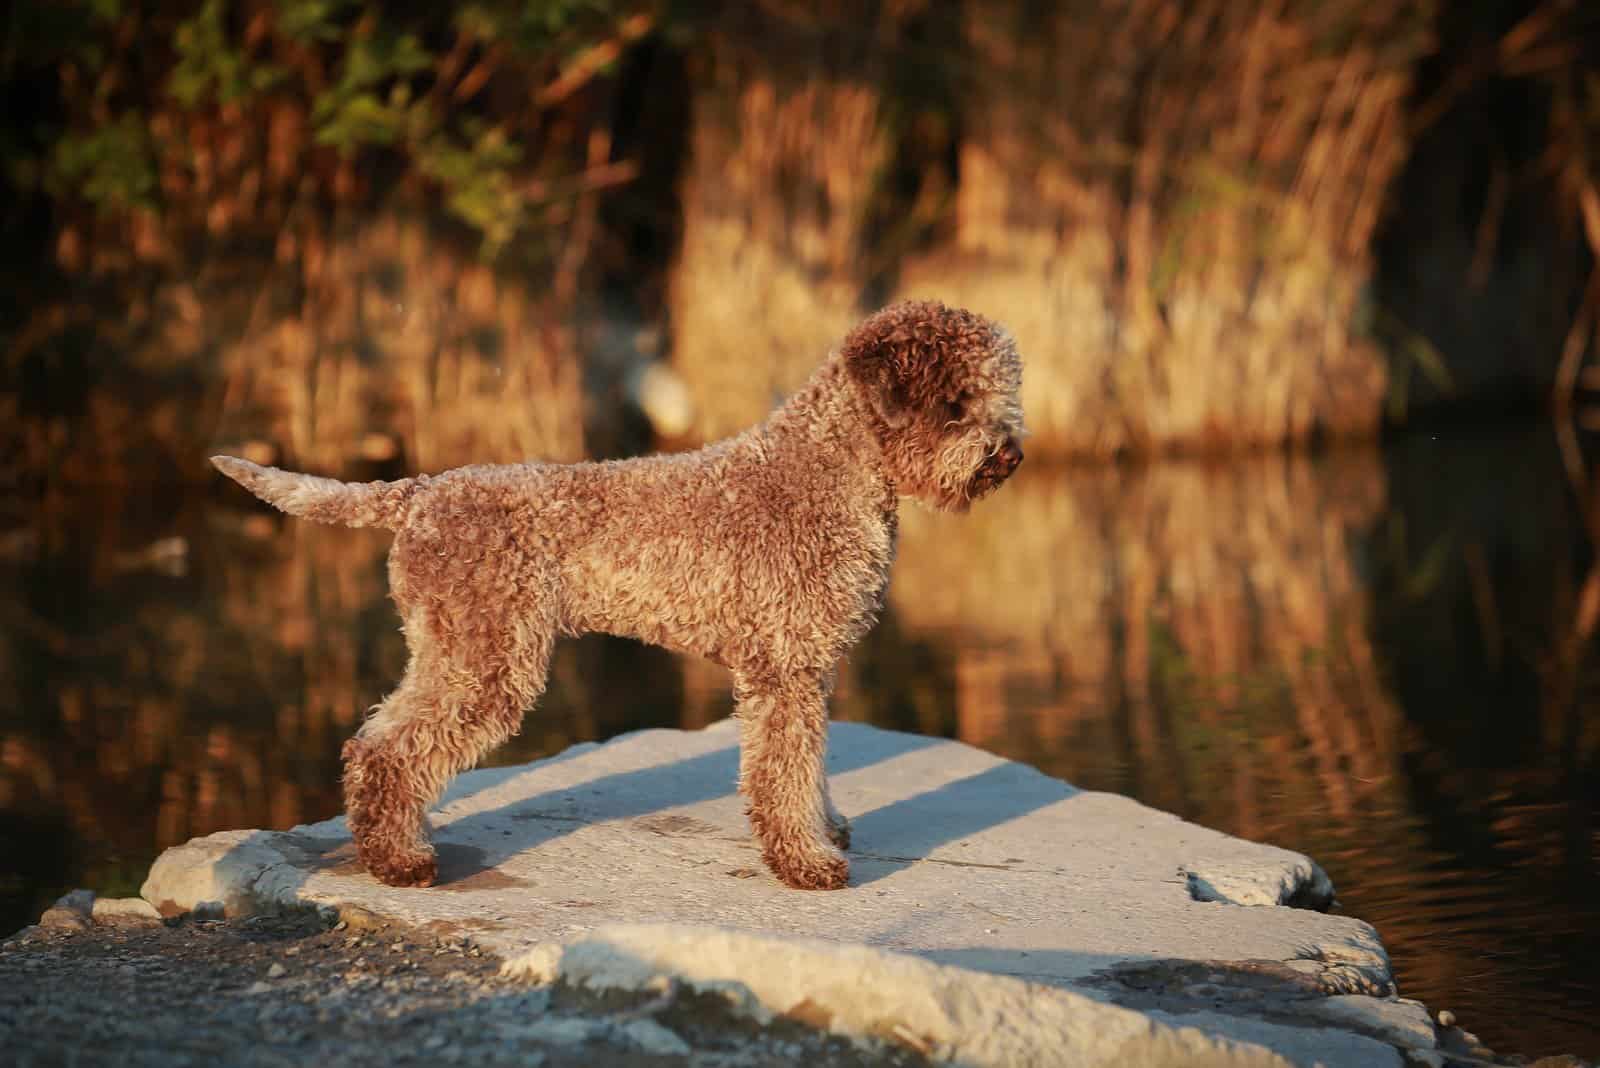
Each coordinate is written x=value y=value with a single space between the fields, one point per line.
x=996 y=469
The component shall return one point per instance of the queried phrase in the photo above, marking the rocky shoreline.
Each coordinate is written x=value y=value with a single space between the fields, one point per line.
x=607 y=906
x=305 y=987
x=296 y=989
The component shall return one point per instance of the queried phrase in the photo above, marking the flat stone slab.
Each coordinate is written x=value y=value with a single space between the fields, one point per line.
x=958 y=857
x=949 y=1014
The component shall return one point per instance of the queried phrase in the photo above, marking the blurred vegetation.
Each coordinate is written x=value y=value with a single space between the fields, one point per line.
x=1495 y=220
x=421 y=95
x=344 y=231
x=367 y=238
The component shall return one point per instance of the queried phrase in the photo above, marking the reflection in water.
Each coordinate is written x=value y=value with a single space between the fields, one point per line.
x=1355 y=656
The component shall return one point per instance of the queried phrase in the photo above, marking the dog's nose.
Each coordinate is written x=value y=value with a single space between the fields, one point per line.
x=1011 y=453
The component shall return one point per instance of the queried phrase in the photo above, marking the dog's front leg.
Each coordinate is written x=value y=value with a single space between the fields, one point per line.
x=838 y=825
x=783 y=743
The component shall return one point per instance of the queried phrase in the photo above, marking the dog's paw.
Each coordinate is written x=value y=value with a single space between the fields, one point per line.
x=407 y=869
x=815 y=871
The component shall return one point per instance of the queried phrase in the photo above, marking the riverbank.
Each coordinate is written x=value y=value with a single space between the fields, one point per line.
x=302 y=989
x=308 y=987
x=995 y=915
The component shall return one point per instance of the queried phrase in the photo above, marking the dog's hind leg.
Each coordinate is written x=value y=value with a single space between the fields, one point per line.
x=458 y=700
x=783 y=743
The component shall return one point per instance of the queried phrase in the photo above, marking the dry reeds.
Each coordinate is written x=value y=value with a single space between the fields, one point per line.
x=286 y=239
x=1172 y=206
x=405 y=348
x=385 y=344
x=784 y=152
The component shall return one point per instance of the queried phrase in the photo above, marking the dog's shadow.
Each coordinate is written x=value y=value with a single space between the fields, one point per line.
x=497 y=834
x=890 y=837
x=885 y=839
x=909 y=831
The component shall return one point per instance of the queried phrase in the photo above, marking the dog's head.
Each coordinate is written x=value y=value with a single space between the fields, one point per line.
x=942 y=384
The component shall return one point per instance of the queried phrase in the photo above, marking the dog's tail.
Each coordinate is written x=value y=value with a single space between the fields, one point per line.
x=324 y=500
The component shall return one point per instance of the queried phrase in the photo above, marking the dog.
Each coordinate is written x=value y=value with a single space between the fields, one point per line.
x=768 y=553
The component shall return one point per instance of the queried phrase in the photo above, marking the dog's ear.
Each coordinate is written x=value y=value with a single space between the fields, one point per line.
x=899 y=356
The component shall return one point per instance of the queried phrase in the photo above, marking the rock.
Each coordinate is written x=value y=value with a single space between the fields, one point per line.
x=216 y=874
x=1401 y=1022
x=73 y=911
x=356 y=918
x=125 y=911
x=79 y=900
x=31 y=933
x=277 y=971
x=65 y=920
x=209 y=911
x=949 y=1013
x=559 y=1030
x=960 y=858
x=1303 y=885
x=653 y=1038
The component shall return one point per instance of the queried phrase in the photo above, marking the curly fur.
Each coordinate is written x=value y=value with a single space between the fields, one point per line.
x=768 y=553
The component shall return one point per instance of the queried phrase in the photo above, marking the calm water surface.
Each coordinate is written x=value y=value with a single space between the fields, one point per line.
x=1371 y=658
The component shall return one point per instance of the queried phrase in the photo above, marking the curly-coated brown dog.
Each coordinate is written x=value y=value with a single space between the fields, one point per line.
x=768 y=553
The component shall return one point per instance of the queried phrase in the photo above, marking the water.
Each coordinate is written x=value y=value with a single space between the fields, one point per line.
x=1366 y=657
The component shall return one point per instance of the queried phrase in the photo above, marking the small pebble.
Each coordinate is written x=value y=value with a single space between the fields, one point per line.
x=208 y=911
x=277 y=971
x=64 y=919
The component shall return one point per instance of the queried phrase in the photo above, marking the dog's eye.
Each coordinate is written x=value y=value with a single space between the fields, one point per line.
x=955 y=410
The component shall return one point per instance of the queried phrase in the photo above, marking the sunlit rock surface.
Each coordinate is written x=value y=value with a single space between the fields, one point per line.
x=959 y=858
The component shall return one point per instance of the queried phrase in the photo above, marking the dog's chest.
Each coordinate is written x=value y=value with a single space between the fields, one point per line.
x=872 y=583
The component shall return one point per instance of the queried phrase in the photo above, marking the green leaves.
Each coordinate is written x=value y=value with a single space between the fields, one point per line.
x=353 y=121
x=111 y=165
x=533 y=27
x=209 y=68
x=372 y=103
x=309 y=22
x=397 y=91
x=478 y=180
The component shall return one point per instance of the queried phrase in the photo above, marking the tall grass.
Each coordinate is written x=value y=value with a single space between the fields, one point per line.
x=784 y=150
x=237 y=195
x=372 y=343
x=407 y=347
x=1171 y=204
